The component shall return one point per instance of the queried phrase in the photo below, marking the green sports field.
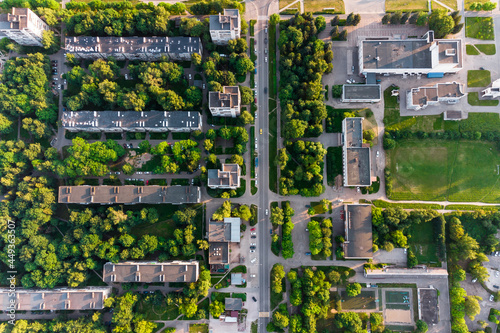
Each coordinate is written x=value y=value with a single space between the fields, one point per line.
x=445 y=170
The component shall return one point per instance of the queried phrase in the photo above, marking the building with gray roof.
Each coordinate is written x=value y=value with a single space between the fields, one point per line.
x=132 y=48
x=129 y=194
x=23 y=26
x=64 y=298
x=421 y=97
x=227 y=178
x=151 y=271
x=233 y=304
x=356 y=154
x=361 y=93
x=225 y=231
x=225 y=27
x=358 y=232
x=225 y=103
x=131 y=121
x=218 y=253
x=410 y=56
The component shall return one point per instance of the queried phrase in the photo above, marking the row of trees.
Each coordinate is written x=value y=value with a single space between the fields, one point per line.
x=303 y=60
x=283 y=217
x=91 y=324
x=239 y=135
x=161 y=85
x=222 y=71
x=320 y=237
x=301 y=168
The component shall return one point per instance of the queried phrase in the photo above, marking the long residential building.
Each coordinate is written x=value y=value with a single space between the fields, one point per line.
x=356 y=154
x=129 y=194
x=225 y=27
x=87 y=298
x=412 y=56
x=141 y=48
x=358 y=232
x=151 y=271
x=131 y=121
x=23 y=26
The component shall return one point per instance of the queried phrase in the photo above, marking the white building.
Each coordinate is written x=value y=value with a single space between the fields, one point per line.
x=225 y=103
x=424 y=56
x=224 y=28
x=421 y=97
x=131 y=121
x=227 y=178
x=493 y=91
x=355 y=153
x=23 y=26
x=140 y=48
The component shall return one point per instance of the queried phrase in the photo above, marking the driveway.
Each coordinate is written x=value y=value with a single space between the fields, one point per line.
x=364 y=6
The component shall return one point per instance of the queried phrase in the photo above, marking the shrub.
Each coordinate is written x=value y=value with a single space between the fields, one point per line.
x=343 y=35
x=386 y=18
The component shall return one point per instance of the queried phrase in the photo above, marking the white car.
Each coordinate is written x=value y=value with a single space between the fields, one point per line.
x=265 y=59
x=497 y=274
x=267 y=211
x=253 y=260
x=491 y=298
x=378 y=153
x=253 y=244
x=253 y=233
x=190 y=76
x=59 y=86
x=252 y=251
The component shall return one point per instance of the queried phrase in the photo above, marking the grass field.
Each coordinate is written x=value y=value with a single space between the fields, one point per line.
x=423 y=243
x=334 y=6
x=444 y=170
x=479 y=28
x=467 y=3
x=473 y=99
x=406 y=5
x=198 y=328
x=488 y=49
x=478 y=78
x=365 y=300
x=471 y=50
x=450 y=3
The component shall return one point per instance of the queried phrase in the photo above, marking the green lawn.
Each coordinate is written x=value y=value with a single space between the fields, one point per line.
x=406 y=5
x=198 y=328
x=473 y=99
x=471 y=50
x=423 y=243
x=365 y=300
x=333 y=164
x=318 y=207
x=444 y=170
x=450 y=3
x=478 y=78
x=479 y=28
x=467 y=3
x=162 y=312
x=488 y=49
x=334 y=6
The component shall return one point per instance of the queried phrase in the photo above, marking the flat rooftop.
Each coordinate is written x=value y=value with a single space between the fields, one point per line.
x=225 y=22
x=218 y=253
x=229 y=176
x=357 y=168
x=362 y=91
x=133 y=45
x=148 y=272
x=441 y=91
x=129 y=194
x=225 y=231
x=233 y=304
x=228 y=98
x=358 y=227
x=56 y=299
x=388 y=54
x=131 y=119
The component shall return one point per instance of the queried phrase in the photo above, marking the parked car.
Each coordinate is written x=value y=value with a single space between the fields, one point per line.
x=252 y=247
x=474 y=280
x=265 y=40
x=252 y=251
x=308 y=253
x=491 y=298
x=265 y=30
x=253 y=244
x=204 y=86
x=253 y=233
x=254 y=299
x=497 y=274
x=307 y=230
x=253 y=236
x=378 y=153
x=271 y=231
x=342 y=214
x=495 y=286
x=253 y=229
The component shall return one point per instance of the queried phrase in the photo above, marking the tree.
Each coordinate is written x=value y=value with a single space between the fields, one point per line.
x=386 y=19
x=353 y=289
x=377 y=321
x=277 y=275
x=246 y=95
x=343 y=35
x=216 y=308
x=335 y=32
x=320 y=23
x=389 y=143
x=274 y=19
x=277 y=216
x=334 y=277
x=280 y=319
x=421 y=326
x=48 y=39
x=441 y=23
x=245 y=118
x=325 y=203
x=349 y=321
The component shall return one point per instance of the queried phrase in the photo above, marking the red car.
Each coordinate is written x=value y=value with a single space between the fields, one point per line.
x=253 y=229
x=342 y=215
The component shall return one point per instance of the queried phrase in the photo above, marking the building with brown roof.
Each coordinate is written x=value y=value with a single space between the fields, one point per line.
x=225 y=27
x=421 y=97
x=227 y=178
x=129 y=194
x=64 y=298
x=225 y=103
x=23 y=26
x=149 y=272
